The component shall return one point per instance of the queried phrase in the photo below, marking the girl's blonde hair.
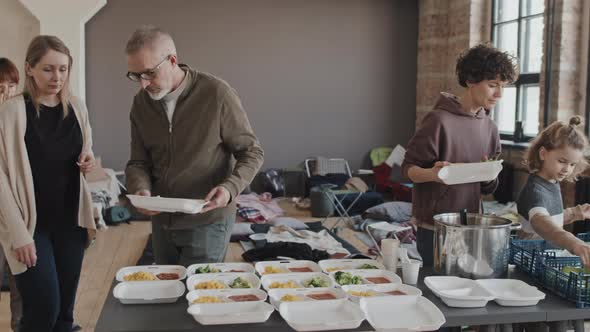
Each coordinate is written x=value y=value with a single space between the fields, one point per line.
x=556 y=136
x=38 y=47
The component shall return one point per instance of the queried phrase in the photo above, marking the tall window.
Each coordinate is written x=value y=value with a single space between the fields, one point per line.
x=517 y=27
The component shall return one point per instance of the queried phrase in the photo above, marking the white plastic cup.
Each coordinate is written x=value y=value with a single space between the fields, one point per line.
x=410 y=271
x=390 y=262
x=389 y=251
x=389 y=246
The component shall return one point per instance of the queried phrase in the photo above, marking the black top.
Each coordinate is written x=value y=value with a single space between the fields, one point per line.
x=54 y=144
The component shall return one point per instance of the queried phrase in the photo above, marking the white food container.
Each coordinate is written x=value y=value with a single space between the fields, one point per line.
x=225 y=278
x=411 y=313
x=162 y=204
x=275 y=295
x=153 y=269
x=459 y=292
x=331 y=265
x=149 y=292
x=225 y=294
x=222 y=267
x=231 y=313
x=511 y=292
x=298 y=278
x=367 y=274
x=380 y=290
x=322 y=315
x=287 y=266
x=470 y=172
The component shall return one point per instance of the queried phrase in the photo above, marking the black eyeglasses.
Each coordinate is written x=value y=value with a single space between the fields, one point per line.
x=149 y=74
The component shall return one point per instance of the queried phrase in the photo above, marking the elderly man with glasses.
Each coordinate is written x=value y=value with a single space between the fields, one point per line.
x=190 y=138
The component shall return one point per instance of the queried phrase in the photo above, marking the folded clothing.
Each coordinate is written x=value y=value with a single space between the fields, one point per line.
x=321 y=240
x=315 y=226
x=251 y=215
x=271 y=251
x=267 y=207
x=391 y=212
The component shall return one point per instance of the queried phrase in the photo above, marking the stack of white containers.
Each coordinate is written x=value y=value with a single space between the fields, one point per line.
x=226 y=293
x=335 y=306
x=141 y=290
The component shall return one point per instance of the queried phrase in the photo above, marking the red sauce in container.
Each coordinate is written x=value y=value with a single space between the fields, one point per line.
x=243 y=298
x=321 y=296
x=396 y=292
x=167 y=276
x=300 y=269
x=378 y=280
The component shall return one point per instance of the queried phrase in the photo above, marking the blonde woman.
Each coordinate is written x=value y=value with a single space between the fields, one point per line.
x=46 y=218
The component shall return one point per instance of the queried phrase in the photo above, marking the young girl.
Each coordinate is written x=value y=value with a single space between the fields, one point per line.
x=556 y=154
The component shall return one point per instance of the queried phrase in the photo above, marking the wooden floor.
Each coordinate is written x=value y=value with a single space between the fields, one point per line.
x=122 y=246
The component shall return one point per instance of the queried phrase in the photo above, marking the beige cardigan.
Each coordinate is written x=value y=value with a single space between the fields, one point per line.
x=18 y=214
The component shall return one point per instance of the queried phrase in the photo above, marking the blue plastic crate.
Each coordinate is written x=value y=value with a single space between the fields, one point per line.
x=524 y=254
x=571 y=286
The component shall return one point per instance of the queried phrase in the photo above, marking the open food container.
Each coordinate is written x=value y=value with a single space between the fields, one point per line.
x=278 y=295
x=470 y=172
x=151 y=273
x=287 y=266
x=222 y=281
x=225 y=295
x=512 y=292
x=296 y=280
x=149 y=292
x=331 y=265
x=363 y=277
x=161 y=204
x=219 y=268
x=357 y=292
x=412 y=313
x=459 y=292
x=231 y=313
x=322 y=315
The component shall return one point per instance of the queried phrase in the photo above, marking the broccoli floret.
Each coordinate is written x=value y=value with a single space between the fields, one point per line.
x=315 y=282
x=345 y=278
x=240 y=283
x=206 y=269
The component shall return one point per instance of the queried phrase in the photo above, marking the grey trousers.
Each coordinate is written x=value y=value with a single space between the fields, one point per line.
x=199 y=244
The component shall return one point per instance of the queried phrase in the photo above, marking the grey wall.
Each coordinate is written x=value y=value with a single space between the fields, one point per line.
x=316 y=77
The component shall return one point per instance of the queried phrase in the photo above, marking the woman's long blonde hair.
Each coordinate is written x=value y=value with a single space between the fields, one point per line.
x=556 y=136
x=37 y=49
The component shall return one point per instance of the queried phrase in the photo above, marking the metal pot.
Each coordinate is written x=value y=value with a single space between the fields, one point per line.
x=475 y=248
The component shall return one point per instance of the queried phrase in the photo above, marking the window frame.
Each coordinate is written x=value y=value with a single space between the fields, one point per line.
x=523 y=79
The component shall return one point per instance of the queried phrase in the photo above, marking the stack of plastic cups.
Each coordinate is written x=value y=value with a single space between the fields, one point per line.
x=389 y=251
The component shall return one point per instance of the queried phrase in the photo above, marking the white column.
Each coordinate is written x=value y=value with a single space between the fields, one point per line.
x=66 y=19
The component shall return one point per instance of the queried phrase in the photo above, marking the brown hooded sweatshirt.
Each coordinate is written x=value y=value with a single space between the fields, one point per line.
x=448 y=133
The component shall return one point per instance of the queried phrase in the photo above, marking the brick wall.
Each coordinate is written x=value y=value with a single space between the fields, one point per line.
x=568 y=61
x=448 y=27
x=445 y=29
